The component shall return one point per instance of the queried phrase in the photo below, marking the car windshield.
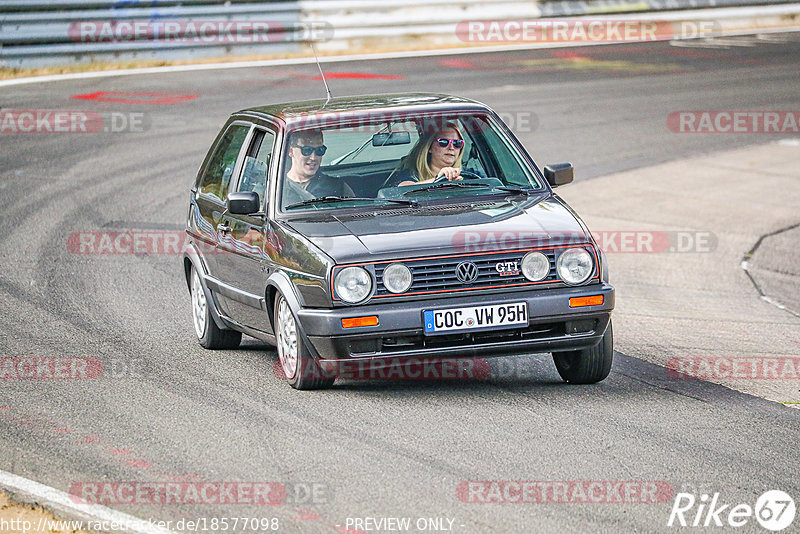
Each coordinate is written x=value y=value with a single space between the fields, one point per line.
x=375 y=162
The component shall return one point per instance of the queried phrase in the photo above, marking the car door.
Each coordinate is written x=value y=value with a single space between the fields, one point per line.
x=242 y=260
x=212 y=193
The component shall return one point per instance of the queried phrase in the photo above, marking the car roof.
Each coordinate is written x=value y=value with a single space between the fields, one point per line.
x=405 y=102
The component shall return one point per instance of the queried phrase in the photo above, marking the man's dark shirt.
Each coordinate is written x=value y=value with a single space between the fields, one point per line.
x=323 y=185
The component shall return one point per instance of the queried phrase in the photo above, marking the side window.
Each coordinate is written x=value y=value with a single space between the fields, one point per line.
x=503 y=156
x=218 y=174
x=256 y=164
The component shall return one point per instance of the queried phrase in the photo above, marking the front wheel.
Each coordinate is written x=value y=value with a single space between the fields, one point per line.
x=587 y=366
x=299 y=367
x=209 y=335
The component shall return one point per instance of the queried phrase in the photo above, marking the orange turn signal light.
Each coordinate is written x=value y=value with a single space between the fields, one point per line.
x=353 y=322
x=594 y=300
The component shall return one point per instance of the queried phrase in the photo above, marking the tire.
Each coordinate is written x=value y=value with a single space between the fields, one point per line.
x=587 y=366
x=209 y=335
x=299 y=367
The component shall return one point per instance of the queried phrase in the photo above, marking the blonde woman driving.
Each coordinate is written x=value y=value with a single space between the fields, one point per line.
x=435 y=154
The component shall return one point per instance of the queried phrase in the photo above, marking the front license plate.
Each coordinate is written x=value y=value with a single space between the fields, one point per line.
x=476 y=317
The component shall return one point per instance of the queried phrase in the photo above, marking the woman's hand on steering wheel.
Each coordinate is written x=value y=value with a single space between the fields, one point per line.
x=448 y=174
x=451 y=173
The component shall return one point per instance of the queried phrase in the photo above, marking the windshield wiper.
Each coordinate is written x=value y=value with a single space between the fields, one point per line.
x=516 y=189
x=327 y=199
x=446 y=185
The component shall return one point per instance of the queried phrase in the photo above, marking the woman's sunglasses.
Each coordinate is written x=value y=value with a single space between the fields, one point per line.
x=307 y=150
x=458 y=144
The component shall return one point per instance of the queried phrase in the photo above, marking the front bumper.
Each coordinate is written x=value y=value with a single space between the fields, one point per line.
x=552 y=326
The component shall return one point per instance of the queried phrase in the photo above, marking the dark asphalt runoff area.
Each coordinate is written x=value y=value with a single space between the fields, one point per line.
x=166 y=410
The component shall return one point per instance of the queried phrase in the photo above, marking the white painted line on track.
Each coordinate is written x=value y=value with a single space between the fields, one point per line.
x=700 y=14
x=61 y=502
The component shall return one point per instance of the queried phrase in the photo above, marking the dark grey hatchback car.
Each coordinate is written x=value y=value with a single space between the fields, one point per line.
x=377 y=229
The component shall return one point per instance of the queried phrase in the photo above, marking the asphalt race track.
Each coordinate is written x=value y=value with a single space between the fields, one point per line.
x=166 y=410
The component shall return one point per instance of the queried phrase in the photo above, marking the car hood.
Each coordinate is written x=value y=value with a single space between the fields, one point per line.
x=441 y=229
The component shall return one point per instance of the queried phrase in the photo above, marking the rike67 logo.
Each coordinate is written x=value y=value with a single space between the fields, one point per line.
x=774 y=510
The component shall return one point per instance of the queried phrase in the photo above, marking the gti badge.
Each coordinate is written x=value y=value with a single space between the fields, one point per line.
x=507 y=268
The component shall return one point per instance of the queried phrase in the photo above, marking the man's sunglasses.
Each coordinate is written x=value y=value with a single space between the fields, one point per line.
x=307 y=150
x=458 y=144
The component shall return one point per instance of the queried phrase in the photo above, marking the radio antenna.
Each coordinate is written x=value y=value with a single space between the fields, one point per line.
x=327 y=89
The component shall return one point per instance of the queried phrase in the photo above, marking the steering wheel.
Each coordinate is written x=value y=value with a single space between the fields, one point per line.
x=468 y=175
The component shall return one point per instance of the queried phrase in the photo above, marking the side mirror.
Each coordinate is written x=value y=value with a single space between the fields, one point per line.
x=559 y=174
x=244 y=203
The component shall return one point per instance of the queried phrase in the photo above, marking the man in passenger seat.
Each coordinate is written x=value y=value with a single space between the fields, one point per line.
x=304 y=179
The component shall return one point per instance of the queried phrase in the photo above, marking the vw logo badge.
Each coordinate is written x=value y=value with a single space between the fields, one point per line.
x=467 y=272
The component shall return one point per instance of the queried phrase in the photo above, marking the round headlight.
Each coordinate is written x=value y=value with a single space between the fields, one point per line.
x=397 y=278
x=352 y=284
x=575 y=265
x=535 y=266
